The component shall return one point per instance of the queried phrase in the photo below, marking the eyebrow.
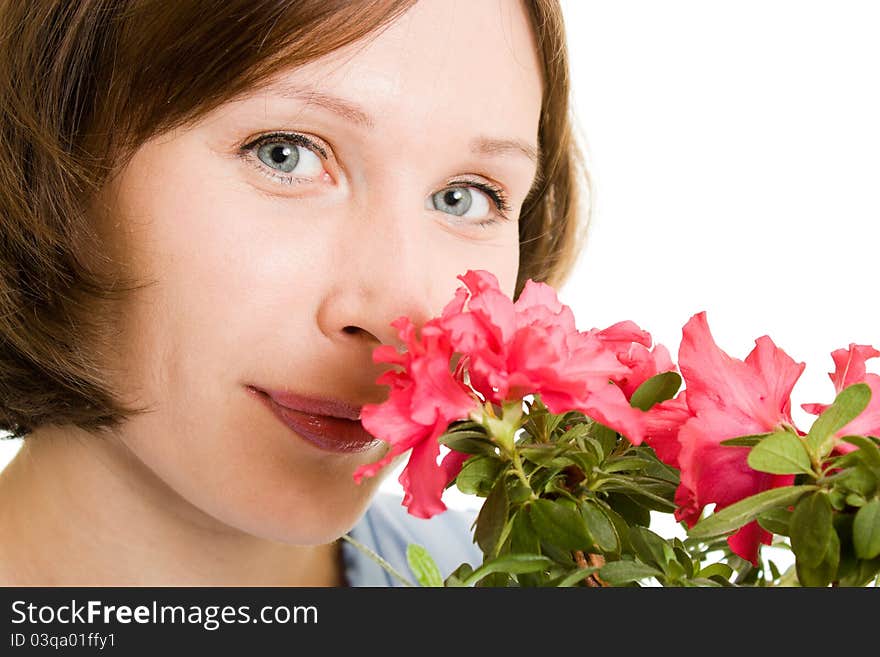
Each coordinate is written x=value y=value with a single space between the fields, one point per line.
x=486 y=146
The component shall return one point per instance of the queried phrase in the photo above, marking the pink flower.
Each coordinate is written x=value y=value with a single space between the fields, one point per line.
x=425 y=398
x=508 y=350
x=850 y=369
x=632 y=346
x=662 y=424
x=533 y=346
x=729 y=398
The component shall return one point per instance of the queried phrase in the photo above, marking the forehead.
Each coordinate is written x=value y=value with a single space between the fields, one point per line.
x=468 y=63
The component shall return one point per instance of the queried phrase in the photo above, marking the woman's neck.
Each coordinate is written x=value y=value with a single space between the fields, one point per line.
x=80 y=510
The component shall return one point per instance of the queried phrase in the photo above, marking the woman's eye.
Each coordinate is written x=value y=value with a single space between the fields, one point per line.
x=286 y=159
x=460 y=201
x=471 y=201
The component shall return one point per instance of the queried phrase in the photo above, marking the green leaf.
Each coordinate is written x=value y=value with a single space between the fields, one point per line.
x=632 y=512
x=469 y=442
x=745 y=441
x=540 y=454
x=478 y=475
x=620 y=527
x=866 y=530
x=811 y=528
x=837 y=498
x=600 y=527
x=605 y=437
x=519 y=492
x=586 y=461
x=559 y=555
x=579 y=430
x=776 y=521
x=736 y=515
x=594 y=447
x=509 y=563
x=456 y=577
x=576 y=576
x=863 y=573
x=543 y=479
x=560 y=525
x=869 y=452
x=651 y=548
x=826 y=571
x=624 y=571
x=465 y=425
x=848 y=404
x=859 y=479
x=625 y=463
x=854 y=499
x=523 y=539
x=492 y=518
x=716 y=570
x=683 y=558
x=494 y=580
x=552 y=421
x=638 y=490
x=658 y=388
x=675 y=571
x=423 y=566
x=702 y=581
x=657 y=468
x=780 y=453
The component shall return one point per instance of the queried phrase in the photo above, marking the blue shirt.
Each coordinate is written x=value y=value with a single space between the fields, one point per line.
x=387 y=529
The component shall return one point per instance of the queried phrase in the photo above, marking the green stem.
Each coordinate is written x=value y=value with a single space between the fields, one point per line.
x=518 y=468
x=379 y=560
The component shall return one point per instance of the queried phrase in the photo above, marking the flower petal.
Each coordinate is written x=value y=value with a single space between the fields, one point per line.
x=423 y=481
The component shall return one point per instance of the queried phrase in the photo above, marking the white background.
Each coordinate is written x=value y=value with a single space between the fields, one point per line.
x=734 y=153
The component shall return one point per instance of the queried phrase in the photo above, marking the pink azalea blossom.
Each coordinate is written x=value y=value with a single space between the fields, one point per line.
x=850 y=369
x=727 y=398
x=425 y=398
x=508 y=350
x=632 y=346
x=662 y=424
x=533 y=346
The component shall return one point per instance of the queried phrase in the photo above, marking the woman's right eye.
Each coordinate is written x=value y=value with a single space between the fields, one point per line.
x=279 y=155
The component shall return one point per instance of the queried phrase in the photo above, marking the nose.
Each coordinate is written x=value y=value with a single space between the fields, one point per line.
x=382 y=270
x=358 y=314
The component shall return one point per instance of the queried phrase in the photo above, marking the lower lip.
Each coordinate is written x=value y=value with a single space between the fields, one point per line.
x=330 y=434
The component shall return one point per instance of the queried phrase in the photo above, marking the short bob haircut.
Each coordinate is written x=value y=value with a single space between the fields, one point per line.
x=84 y=83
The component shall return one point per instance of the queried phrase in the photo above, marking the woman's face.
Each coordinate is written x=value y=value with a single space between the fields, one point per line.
x=281 y=261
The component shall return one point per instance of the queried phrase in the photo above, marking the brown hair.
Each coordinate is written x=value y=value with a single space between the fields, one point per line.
x=83 y=84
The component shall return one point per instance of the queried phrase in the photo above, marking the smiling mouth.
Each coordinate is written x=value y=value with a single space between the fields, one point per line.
x=330 y=434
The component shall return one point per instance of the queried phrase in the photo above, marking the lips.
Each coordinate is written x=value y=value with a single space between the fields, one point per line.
x=315 y=424
x=326 y=407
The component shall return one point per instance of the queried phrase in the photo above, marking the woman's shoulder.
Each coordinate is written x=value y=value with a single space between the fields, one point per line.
x=387 y=529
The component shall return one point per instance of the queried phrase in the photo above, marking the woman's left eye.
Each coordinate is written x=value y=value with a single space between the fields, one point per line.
x=280 y=154
x=460 y=201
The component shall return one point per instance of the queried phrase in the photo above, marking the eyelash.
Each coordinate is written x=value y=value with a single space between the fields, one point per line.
x=498 y=195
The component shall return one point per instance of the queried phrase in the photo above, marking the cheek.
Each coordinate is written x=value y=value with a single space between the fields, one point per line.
x=501 y=258
x=224 y=273
x=507 y=268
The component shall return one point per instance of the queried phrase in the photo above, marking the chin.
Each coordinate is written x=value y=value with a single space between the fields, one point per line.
x=320 y=517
